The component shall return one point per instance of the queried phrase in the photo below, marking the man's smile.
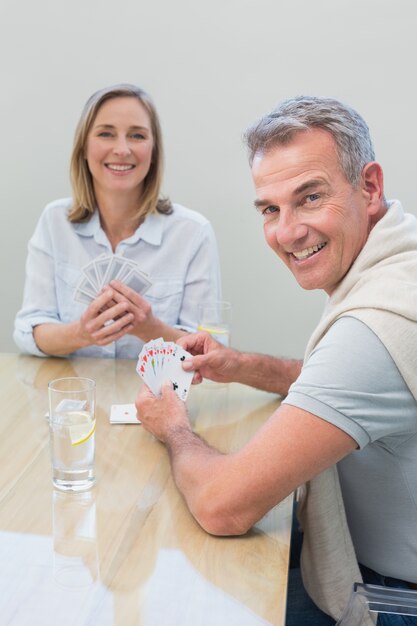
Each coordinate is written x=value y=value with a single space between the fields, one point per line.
x=307 y=252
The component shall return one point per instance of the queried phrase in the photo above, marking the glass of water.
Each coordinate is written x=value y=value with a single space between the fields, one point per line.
x=215 y=318
x=71 y=426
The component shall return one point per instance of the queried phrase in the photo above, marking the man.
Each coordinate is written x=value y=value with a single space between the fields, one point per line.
x=353 y=403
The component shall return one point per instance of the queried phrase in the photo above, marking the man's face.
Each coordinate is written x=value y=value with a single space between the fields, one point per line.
x=314 y=220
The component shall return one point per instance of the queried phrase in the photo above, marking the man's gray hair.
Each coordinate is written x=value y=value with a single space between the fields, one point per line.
x=301 y=113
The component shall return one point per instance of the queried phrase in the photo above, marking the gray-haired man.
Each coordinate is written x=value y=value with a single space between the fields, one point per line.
x=353 y=402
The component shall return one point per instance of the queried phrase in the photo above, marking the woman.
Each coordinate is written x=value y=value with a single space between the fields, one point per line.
x=116 y=172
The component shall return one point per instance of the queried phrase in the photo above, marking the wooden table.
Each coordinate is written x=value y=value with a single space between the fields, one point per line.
x=128 y=552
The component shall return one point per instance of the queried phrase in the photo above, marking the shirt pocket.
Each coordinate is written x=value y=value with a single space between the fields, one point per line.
x=165 y=297
x=66 y=279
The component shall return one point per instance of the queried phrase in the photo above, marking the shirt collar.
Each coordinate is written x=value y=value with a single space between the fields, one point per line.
x=89 y=228
x=150 y=231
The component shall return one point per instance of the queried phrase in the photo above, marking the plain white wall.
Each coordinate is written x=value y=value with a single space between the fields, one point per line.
x=212 y=69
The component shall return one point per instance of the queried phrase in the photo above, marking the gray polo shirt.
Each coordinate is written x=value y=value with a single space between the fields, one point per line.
x=351 y=381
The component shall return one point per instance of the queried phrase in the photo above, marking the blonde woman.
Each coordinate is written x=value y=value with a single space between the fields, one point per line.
x=116 y=208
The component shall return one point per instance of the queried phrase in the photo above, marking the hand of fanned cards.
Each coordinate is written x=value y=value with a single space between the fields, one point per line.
x=102 y=270
x=161 y=360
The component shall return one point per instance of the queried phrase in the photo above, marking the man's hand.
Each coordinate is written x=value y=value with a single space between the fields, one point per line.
x=210 y=358
x=164 y=415
x=225 y=365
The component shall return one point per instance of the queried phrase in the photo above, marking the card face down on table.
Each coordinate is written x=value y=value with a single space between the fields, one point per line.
x=161 y=360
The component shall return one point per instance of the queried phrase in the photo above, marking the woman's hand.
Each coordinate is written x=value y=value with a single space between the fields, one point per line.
x=143 y=322
x=105 y=320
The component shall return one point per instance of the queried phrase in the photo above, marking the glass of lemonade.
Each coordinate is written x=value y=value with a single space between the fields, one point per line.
x=215 y=318
x=71 y=426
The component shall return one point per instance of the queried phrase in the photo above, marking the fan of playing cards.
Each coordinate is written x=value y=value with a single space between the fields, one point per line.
x=105 y=268
x=161 y=360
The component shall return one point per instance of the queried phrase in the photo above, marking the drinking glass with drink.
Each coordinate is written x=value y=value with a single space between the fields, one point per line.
x=71 y=425
x=215 y=318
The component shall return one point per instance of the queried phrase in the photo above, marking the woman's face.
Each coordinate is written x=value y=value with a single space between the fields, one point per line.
x=119 y=147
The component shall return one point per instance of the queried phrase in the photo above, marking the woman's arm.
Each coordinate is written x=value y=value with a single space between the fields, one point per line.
x=102 y=323
x=39 y=328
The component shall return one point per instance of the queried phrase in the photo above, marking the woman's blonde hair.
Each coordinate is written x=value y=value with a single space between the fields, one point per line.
x=84 y=200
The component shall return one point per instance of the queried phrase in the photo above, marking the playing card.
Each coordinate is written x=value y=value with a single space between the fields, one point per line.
x=86 y=286
x=82 y=297
x=105 y=268
x=161 y=360
x=137 y=281
x=101 y=264
x=113 y=268
x=148 y=365
x=123 y=414
x=181 y=379
x=89 y=270
x=125 y=270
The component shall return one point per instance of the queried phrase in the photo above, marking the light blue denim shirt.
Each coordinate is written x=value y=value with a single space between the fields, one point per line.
x=177 y=251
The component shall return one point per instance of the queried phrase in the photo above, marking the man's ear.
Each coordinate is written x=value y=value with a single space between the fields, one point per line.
x=373 y=185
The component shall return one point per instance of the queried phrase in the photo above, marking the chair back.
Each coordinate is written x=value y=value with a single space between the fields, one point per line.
x=366 y=601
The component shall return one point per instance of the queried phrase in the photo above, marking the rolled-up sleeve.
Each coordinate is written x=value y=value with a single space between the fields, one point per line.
x=39 y=297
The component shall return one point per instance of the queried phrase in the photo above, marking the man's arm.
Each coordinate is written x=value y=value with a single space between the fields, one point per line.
x=229 y=493
x=214 y=361
x=267 y=372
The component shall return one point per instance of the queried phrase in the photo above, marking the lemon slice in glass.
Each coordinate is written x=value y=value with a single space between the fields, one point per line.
x=214 y=330
x=81 y=428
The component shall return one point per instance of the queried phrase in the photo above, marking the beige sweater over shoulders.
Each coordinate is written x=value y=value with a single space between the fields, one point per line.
x=380 y=289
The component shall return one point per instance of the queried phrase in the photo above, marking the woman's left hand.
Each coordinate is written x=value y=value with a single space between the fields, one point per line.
x=145 y=324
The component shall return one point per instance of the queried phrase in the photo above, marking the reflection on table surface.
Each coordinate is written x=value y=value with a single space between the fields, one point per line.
x=127 y=552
